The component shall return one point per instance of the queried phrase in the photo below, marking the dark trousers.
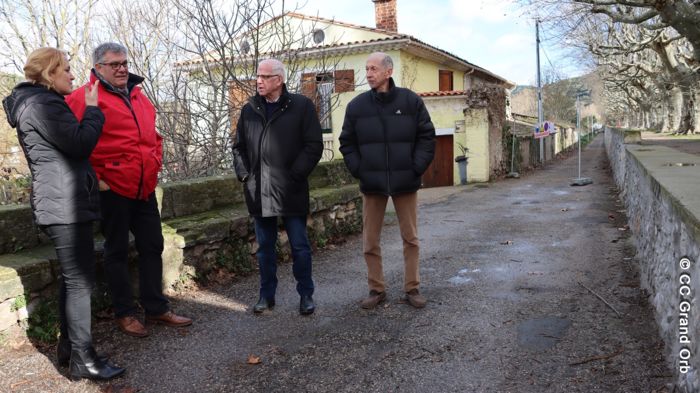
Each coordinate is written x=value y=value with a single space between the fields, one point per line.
x=119 y=216
x=266 y=235
x=76 y=254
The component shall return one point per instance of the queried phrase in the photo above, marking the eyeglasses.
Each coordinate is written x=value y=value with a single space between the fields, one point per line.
x=265 y=77
x=115 y=65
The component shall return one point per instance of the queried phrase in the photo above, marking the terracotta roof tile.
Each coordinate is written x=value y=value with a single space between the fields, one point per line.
x=442 y=93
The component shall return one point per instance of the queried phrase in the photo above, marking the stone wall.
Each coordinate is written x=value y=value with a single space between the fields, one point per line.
x=206 y=228
x=663 y=205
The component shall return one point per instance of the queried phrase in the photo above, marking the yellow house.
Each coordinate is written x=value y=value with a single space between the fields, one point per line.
x=326 y=61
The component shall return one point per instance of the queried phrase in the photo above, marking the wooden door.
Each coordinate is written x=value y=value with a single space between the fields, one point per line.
x=441 y=170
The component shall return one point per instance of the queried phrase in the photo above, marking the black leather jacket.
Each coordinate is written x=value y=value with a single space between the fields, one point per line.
x=275 y=156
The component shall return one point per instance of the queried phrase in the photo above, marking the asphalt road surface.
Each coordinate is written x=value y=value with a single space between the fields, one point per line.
x=510 y=270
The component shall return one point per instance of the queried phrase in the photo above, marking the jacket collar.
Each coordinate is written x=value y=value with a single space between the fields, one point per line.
x=258 y=100
x=387 y=96
x=133 y=81
x=19 y=95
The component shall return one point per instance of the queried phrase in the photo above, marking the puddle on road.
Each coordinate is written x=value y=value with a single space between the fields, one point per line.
x=461 y=278
x=542 y=333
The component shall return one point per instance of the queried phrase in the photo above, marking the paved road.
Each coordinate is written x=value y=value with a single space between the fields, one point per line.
x=504 y=268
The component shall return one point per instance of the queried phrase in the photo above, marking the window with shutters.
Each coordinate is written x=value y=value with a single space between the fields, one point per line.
x=319 y=87
x=446 y=80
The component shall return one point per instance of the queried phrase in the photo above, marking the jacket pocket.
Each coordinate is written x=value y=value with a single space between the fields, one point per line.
x=121 y=171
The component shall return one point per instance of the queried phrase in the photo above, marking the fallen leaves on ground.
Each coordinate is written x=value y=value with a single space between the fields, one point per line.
x=252 y=359
x=20 y=383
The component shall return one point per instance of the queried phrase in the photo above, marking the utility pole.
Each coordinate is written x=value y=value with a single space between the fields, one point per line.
x=540 y=110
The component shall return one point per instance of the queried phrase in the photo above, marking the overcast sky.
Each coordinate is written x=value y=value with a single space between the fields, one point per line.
x=492 y=34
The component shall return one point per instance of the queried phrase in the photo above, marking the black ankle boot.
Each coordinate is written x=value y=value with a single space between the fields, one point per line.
x=306 y=305
x=86 y=364
x=63 y=353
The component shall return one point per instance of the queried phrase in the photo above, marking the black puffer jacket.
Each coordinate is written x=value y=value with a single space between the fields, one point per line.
x=277 y=155
x=57 y=147
x=388 y=140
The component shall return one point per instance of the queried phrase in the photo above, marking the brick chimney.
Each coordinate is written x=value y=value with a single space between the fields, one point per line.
x=385 y=14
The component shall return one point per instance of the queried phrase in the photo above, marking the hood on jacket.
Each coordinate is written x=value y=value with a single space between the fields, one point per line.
x=13 y=102
x=133 y=80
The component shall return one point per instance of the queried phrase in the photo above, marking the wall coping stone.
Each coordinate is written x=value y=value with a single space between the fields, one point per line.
x=679 y=183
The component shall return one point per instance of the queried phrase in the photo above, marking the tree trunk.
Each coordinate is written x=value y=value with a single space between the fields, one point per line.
x=673 y=105
x=687 y=110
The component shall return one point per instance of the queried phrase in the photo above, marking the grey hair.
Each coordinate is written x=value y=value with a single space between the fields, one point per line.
x=277 y=68
x=386 y=60
x=99 y=53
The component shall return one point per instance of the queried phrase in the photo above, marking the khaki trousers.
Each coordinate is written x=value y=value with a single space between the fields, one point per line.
x=373 y=209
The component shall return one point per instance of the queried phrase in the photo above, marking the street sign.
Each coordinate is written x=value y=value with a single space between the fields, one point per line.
x=546 y=129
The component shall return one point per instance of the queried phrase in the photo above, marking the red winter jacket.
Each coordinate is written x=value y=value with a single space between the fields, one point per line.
x=128 y=155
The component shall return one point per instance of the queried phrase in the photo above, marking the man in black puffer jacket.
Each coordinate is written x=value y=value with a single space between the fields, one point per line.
x=388 y=141
x=278 y=143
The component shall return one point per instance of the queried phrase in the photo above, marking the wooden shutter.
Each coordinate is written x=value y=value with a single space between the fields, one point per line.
x=238 y=94
x=308 y=85
x=344 y=80
x=446 y=80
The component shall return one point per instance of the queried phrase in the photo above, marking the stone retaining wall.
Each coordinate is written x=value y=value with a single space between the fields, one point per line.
x=206 y=228
x=662 y=198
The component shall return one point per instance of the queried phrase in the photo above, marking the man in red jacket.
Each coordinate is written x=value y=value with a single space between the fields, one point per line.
x=127 y=160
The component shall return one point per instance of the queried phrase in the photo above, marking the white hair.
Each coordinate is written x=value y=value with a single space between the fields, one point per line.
x=277 y=67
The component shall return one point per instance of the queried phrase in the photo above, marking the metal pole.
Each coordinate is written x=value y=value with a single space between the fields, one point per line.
x=540 y=111
x=579 y=181
x=579 y=154
x=578 y=129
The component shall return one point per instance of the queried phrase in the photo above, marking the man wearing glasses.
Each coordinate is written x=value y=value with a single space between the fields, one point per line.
x=127 y=160
x=277 y=144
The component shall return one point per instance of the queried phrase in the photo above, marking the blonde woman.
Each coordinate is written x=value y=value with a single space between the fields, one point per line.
x=65 y=196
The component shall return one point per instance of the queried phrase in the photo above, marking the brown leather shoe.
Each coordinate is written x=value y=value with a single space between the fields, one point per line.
x=415 y=299
x=373 y=299
x=170 y=319
x=132 y=326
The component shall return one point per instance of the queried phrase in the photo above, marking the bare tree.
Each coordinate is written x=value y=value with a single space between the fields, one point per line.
x=646 y=49
x=559 y=96
x=30 y=24
x=225 y=42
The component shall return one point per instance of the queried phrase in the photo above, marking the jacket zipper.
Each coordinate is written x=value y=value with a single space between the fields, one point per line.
x=386 y=147
x=275 y=115
x=138 y=127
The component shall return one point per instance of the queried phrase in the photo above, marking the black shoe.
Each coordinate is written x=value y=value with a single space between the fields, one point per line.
x=306 y=305
x=264 y=304
x=63 y=353
x=86 y=364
